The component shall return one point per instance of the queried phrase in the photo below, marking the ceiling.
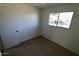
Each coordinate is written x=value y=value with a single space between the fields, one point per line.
x=43 y=5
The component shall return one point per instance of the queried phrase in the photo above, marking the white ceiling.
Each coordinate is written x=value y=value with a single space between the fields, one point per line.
x=43 y=5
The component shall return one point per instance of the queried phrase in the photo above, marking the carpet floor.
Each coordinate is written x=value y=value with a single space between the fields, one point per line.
x=38 y=46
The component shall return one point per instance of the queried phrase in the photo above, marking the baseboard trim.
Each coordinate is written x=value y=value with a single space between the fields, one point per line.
x=59 y=45
x=48 y=40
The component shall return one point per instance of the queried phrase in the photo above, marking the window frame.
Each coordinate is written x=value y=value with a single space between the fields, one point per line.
x=57 y=24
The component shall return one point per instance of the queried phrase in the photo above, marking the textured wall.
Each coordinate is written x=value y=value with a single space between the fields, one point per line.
x=68 y=38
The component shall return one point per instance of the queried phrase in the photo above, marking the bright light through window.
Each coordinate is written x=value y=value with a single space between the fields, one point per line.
x=53 y=19
x=60 y=19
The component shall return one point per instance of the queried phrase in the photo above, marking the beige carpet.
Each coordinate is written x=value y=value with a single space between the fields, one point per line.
x=38 y=46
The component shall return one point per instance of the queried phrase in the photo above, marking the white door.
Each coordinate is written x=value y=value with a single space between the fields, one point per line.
x=8 y=27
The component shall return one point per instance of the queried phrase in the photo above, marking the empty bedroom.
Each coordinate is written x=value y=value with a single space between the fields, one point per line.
x=39 y=29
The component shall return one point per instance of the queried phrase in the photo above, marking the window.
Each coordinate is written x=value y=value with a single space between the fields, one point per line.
x=53 y=17
x=60 y=19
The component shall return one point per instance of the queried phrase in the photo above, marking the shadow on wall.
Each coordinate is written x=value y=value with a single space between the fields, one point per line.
x=1 y=44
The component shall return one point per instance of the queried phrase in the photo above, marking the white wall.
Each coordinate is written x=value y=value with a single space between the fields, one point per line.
x=23 y=18
x=68 y=38
x=1 y=44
